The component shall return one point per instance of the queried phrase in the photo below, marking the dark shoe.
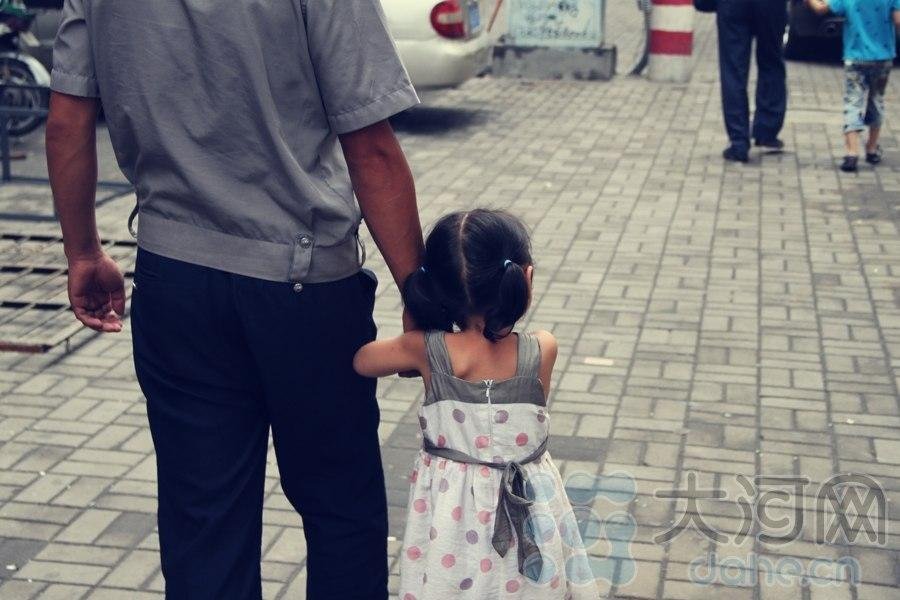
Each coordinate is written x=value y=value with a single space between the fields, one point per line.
x=774 y=144
x=873 y=158
x=849 y=164
x=735 y=154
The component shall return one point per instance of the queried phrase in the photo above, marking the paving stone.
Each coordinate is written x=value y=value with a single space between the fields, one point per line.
x=116 y=594
x=80 y=553
x=887 y=451
x=20 y=590
x=127 y=529
x=57 y=572
x=134 y=570
x=60 y=591
x=88 y=526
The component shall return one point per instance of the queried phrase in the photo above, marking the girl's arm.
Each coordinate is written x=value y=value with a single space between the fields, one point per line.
x=549 y=350
x=396 y=355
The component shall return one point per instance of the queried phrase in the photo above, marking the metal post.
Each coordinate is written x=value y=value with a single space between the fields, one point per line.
x=4 y=146
x=641 y=63
x=671 y=40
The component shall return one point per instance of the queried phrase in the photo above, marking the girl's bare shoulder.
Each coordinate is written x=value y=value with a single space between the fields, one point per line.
x=547 y=341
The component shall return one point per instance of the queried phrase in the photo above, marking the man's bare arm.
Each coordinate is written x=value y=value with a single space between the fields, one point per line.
x=96 y=286
x=387 y=196
x=896 y=15
x=72 y=163
x=820 y=7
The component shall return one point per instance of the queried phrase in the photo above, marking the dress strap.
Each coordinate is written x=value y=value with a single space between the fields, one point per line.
x=436 y=350
x=529 y=364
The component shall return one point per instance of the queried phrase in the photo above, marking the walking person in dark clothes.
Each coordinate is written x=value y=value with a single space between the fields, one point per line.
x=739 y=23
x=245 y=128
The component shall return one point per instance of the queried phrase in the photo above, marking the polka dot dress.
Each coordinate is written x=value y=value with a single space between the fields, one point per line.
x=447 y=551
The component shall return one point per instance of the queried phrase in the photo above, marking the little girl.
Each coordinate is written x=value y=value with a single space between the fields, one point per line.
x=488 y=516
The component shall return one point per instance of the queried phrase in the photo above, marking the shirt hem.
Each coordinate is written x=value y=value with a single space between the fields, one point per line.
x=870 y=61
x=260 y=259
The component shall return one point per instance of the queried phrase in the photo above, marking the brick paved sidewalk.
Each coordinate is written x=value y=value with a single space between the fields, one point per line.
x=716 y=320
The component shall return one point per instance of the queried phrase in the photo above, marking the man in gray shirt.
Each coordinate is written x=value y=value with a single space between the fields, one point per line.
x=245 y=127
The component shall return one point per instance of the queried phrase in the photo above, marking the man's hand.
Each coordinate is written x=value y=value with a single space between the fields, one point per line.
x=97 y=292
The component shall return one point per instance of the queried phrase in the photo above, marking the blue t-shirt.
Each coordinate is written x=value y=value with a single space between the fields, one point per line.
x=868 y=28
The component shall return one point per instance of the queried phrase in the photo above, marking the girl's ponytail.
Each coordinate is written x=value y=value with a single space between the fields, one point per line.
x=476 y=265
x=423 y=302
x=511 y=304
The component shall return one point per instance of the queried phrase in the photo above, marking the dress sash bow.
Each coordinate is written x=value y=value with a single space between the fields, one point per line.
x=511 y=521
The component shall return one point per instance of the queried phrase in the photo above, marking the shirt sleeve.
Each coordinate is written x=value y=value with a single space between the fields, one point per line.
x=73 y=62
x=838 y=7
x=361 y=79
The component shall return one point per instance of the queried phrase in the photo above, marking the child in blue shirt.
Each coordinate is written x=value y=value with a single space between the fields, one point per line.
x=869 y=51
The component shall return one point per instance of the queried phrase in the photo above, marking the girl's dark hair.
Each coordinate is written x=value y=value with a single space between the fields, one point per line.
x=474 y=265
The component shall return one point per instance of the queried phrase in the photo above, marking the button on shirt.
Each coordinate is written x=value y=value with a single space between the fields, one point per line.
x=225 y=116
x=869 y=33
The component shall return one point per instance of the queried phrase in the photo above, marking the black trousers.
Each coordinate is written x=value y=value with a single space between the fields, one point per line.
x=739 y=22
x=222 y=358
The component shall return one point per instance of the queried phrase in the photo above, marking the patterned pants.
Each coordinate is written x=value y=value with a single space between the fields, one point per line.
x=864 y=93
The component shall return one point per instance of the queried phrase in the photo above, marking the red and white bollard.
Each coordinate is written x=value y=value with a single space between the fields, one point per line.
x=671 y=40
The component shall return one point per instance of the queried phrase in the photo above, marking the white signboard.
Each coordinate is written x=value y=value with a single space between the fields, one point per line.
x=556 y=23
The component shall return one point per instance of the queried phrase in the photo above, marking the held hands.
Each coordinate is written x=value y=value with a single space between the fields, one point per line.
x=97 y=292
x=408 y=323
x=818 y=6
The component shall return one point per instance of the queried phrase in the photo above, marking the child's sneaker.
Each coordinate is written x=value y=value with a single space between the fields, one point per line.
x=849 y=164
x=873 y=158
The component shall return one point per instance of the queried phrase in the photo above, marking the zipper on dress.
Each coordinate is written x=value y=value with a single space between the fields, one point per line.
x=487 y=394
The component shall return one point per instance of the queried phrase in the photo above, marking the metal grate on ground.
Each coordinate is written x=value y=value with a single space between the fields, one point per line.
x=34 y=305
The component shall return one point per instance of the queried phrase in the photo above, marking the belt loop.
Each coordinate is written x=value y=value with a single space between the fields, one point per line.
x=301 y=257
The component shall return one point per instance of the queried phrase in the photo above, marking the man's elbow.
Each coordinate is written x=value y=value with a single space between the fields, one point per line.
x=70 y=117
x=360 y=364
x=57 y=130
x=373 y=146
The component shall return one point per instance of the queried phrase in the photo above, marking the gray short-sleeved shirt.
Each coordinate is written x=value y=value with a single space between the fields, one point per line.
x=224 y=115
